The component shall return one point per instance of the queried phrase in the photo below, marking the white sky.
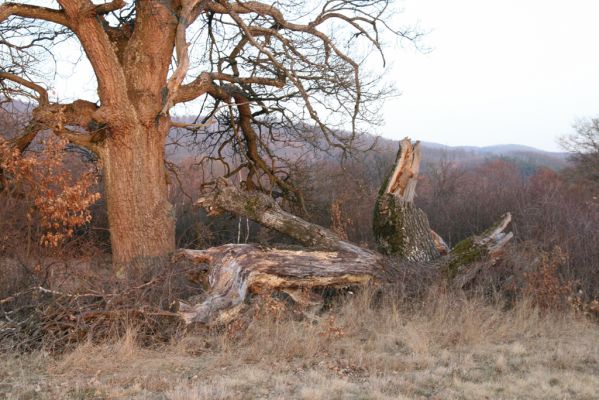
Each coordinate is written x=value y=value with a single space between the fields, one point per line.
x=500 y=71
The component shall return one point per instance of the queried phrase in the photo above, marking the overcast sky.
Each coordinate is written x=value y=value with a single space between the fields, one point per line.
x=498 y=72
x=502 y=71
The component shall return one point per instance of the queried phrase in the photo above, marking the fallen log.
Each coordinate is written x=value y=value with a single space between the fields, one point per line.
x=264 y=210
x=237 y=269
x=407 y=244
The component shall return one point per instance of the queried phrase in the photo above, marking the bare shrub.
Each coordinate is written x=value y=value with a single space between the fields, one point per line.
x=442 y=345
x=549 y=210
x=583 y=146
x=56 y=320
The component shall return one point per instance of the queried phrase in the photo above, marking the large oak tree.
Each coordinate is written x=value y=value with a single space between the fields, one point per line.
x=265 y=71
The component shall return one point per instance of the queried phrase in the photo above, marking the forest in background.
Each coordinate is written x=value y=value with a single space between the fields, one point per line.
x=463 y=190
x=528 y=324
x=205 y=212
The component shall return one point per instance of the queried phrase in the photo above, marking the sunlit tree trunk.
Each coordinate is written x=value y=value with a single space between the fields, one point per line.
x=140 y=216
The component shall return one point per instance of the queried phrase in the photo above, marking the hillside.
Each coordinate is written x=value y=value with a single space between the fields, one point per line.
x=184 y=145
x=526 y=157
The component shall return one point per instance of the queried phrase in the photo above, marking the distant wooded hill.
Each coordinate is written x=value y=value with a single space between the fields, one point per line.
x=526 y=157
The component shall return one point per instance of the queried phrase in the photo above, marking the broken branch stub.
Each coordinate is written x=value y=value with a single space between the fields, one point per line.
x=409 y=247
x=467 y=258
x=401 y=229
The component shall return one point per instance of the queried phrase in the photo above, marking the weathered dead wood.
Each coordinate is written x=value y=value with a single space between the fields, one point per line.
x=400 y=228
x=440 y=244
x=264 y=210
x=236 y=270
x=404 y=177
x=468 y=257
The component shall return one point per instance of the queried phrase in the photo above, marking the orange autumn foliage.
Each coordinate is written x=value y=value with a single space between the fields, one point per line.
x=56 y=201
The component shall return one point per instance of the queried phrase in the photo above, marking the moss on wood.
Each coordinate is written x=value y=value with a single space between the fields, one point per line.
x=464 y=253
x=250 y=206
x=388 y=228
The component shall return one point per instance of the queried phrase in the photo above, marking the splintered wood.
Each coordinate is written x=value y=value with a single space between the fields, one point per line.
x=406 y=243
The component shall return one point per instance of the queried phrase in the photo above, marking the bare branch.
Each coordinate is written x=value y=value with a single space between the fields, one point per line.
x=267 y=212
x=103 y=58
x=194 y=89
x=186 y=125
x=275 y=82
x=58 y=118
x=80 y=139
x=42 y=93
x=23 y=141
x=33 y=12
x=204 y=84
x=110 y=6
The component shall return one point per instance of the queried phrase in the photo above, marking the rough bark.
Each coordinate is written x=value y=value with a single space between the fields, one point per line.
x=464 y=261
x=400 y=228
x=140 y=217
x=237 y=270
x=264 y=210
x=234 y=271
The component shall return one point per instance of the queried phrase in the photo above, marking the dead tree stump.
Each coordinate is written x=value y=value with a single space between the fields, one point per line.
x=400 y=228
x=405 y=242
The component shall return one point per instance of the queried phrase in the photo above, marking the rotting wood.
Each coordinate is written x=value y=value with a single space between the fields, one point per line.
x=465 y=260
x=328 y=261
x=264 y=210
x=238 y=269
x=400 y=228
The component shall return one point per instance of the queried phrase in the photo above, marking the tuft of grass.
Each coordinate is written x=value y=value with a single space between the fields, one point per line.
x=446 y=346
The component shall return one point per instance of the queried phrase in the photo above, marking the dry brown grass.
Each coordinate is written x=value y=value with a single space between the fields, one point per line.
x=446 y=347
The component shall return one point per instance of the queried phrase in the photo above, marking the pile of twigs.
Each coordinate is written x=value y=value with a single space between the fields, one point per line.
x=43 y=318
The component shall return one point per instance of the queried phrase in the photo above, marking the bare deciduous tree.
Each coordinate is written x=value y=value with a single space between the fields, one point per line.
x=263 y=70
x=584 y=146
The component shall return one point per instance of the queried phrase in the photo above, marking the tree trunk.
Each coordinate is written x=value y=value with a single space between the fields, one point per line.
x=234 y=271
x=400 y=228
x=140 y=217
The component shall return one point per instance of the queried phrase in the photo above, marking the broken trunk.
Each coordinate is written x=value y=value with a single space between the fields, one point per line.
x=406 y=245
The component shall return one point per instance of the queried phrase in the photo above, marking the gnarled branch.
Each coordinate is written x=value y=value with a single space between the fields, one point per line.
x=33 y=12
x=263 y=209
x=42 y=97
x=236 y=270
x=109 y=7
